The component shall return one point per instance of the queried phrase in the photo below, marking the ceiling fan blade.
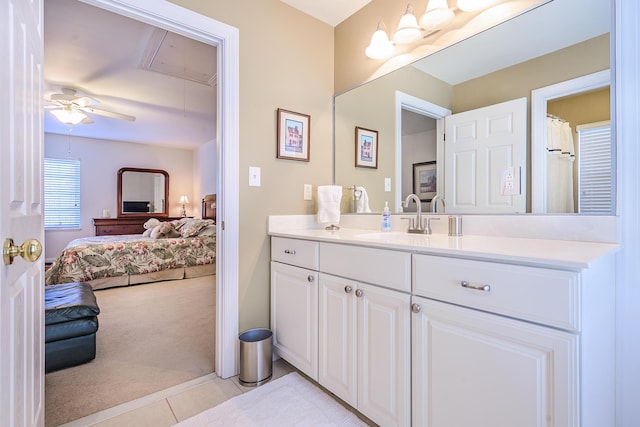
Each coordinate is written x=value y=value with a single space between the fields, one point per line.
x=87 y=121
x=85 y=101
x=108 y=113
x=62 y=97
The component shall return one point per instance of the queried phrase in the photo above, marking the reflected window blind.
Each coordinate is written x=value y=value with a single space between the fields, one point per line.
x=595 y=192
x=61 y=193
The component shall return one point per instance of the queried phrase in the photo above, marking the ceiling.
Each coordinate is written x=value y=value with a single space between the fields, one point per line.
x=131 y=71
x=331 y=12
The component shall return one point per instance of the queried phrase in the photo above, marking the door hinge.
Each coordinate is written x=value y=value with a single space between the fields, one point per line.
x=222 y=225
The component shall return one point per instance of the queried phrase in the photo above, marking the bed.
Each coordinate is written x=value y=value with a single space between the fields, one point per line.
x=110 y=261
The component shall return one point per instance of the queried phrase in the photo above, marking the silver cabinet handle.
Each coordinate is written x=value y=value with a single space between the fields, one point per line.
x=348 y=289
x=416 y=308
x=466 y=284
x=310 y=278
x=359 y=293
x=289 y=251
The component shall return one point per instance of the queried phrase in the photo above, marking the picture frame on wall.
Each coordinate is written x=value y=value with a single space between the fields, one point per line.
x=294 y=141
x=366 y=148
x=425 y=180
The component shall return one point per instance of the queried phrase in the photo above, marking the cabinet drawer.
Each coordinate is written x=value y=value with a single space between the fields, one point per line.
x=391 y=269
x=302 y=253
x=539 y=295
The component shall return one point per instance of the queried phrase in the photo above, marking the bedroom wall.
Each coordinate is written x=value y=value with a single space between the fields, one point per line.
x=205 y=176
x=286 y=61
x=100 y=161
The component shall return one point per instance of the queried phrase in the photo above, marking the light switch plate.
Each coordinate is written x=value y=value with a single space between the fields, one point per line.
x=387 y=184
x=254 y=176
x=307 y=191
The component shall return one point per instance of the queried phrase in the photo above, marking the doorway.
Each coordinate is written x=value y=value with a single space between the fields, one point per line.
x=190 y=24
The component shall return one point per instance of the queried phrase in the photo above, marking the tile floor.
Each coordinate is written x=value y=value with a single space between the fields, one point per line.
x=171 y=406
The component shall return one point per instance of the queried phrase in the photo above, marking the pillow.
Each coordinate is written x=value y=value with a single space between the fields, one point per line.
x=209 y=230
x=194 y=227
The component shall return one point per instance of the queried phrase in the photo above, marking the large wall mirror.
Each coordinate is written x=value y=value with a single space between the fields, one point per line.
x=558 y=43
x=143 y=192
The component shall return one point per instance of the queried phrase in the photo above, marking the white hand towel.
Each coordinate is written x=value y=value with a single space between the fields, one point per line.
x=329 y=204
x=362 y=200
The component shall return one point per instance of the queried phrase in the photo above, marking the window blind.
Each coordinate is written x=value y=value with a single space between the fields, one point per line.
x=61 y=193
x=595 y=191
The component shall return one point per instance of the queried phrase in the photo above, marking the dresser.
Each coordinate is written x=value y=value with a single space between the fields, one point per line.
x=118 y=226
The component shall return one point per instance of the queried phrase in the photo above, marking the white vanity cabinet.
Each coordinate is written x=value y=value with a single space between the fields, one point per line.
x=505 y=345
x=294 y=302
x=364 y=348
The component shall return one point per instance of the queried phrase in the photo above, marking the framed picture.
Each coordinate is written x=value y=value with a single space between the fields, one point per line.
x=425 y=180
x=293 y=135
x=366 y=148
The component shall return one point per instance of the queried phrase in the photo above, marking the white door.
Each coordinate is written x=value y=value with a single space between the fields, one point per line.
x=384 y=356
x=472 y=368
x=479 y=147
x=21 y=153
x=294 y=316
x=337 y=334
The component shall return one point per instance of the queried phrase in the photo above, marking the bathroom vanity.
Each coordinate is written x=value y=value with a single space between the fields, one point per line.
x=449 y=331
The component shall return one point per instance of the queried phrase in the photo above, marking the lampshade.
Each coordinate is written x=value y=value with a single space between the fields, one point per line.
x=474 y=5
x=408 y=30
x=69 y=116
x=380 y=47
x=437 y=16
x=184 y=199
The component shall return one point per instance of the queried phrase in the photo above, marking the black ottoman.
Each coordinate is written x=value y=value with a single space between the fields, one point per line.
x=71 y=322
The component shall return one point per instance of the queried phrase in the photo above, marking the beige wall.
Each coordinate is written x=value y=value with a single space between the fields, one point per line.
x=286 y=61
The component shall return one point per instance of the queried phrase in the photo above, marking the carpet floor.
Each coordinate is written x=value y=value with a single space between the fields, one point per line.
x=151 y=337
x=286 y=402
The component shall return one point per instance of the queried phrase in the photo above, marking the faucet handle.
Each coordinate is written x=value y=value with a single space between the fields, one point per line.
x=427 y=224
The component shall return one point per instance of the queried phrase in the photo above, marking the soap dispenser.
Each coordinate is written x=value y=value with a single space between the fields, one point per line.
x=386 y=218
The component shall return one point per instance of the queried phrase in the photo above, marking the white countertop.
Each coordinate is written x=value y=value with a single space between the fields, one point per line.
x=563 y=254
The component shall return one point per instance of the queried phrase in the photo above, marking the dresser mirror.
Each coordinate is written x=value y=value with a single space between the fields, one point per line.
x=552 y=45
x=143 y=192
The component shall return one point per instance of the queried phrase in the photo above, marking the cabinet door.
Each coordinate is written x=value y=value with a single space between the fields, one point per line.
x=294 y=316
x=384 y=355
x=337 y=337
x=472 y=368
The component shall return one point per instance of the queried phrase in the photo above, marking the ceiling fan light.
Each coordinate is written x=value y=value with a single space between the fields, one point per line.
x=437 y=16
x=408 y=30
x=474 y=5
x=68 y=116
x=380 y=47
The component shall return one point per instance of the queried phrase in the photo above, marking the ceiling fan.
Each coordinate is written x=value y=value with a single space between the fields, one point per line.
x=71 y=109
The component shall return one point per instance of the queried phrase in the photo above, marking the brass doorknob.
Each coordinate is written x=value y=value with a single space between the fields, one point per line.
x=30 y=250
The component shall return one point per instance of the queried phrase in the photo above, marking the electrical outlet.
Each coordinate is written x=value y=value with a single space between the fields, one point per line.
x=307 y=192
x=510 y=183
x=387 y=184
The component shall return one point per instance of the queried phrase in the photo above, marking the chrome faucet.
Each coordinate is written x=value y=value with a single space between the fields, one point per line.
x=415 y=227
x=434 y=203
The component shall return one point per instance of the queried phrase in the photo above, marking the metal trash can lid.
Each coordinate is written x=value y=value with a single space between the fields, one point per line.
x=253 y=335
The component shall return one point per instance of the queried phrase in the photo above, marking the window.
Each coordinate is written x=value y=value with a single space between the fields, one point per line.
x=595 y=192
x=61 y=193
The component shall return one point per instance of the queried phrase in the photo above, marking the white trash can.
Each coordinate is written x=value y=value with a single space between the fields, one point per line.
x=255 y=357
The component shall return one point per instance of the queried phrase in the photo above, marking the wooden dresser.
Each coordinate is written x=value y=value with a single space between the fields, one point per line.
x=118 y=226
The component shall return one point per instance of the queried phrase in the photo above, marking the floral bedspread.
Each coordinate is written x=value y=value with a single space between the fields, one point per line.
x=98 y=257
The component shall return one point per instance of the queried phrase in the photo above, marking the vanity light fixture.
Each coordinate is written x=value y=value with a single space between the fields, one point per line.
x=184 y=200
x=408 y=30
x=380 y=46
x=69 y=116
x=437 y=16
